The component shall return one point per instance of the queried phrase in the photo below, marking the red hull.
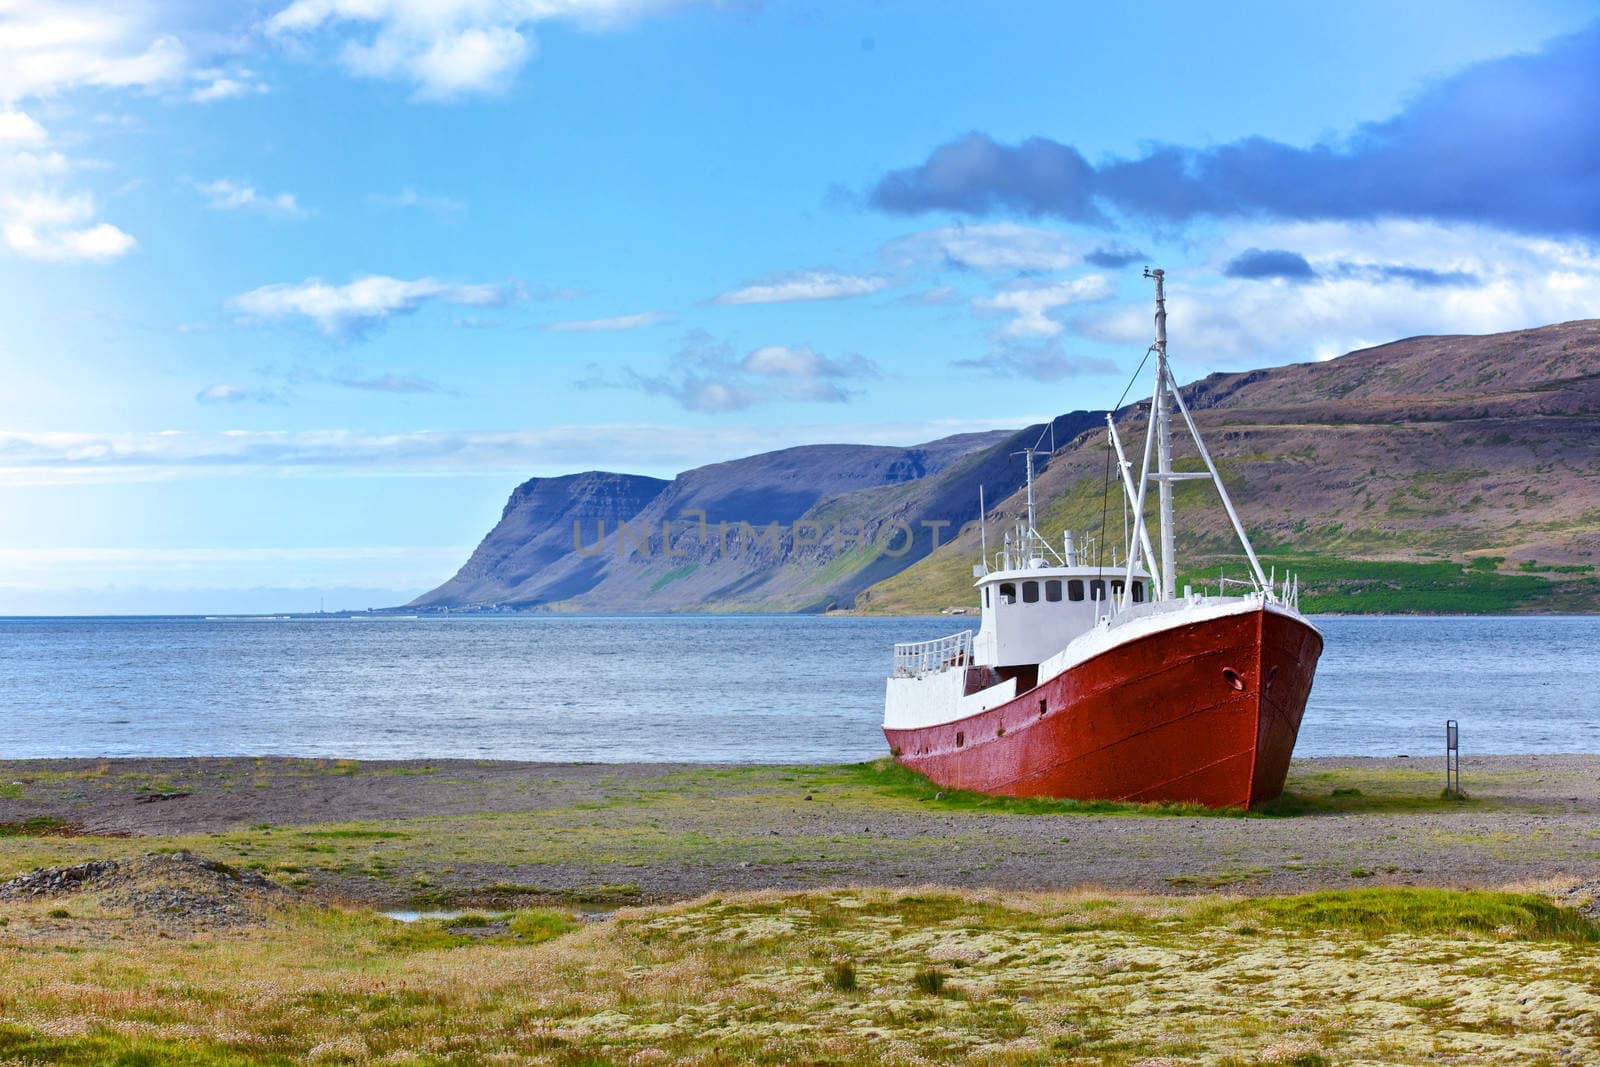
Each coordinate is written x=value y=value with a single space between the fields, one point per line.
x=1204 y=713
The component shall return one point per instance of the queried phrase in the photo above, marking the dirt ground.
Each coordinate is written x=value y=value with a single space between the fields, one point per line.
x=446 y=831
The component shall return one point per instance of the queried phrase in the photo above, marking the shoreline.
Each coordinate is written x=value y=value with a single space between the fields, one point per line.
x=241 y=912
x=837 y=613
x=480 y=832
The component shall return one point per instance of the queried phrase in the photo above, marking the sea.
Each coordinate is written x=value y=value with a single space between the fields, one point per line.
x=744 y=689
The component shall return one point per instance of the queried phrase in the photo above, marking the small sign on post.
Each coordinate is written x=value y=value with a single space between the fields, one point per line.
x=1452 y=759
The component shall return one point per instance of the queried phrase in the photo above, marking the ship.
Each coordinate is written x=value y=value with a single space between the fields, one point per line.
x=1095 y=678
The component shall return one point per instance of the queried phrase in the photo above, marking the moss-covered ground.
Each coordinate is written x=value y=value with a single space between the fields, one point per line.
x=837 y=976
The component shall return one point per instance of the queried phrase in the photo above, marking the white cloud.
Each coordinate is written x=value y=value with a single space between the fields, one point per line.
x=225 y=393
x=39 y=217
x=53 y=458
x=704 y=376
x=1357 y=299
x=994 y=248
x=47 y=226
x=48 y=46
x=803 y=374
x=446 y=48
x=1046 y=363
x=218 y=83
x=19 y=128
x=1030 y=305
x=410 y=198
x=618 y=322
x=350 y=310
x=811 y=285
x=225 y=195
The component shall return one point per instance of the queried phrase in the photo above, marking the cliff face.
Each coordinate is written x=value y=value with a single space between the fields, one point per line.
x=1435 y=452
x=535 y=531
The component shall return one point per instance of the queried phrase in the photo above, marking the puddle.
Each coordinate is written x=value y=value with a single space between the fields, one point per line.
x=413 y=916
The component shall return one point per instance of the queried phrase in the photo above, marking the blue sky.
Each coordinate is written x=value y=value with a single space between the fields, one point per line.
x=295 y=292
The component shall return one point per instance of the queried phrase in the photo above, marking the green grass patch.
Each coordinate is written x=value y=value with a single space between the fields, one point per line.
x=888 y=778
x=103 y=1048
x=673 y=575
x=1379 y=912
x=356 y=834
x=540 y=924
x=1555 y=568
x=1330 y=585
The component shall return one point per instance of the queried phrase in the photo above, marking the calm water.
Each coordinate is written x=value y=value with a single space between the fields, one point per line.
x=772 y=689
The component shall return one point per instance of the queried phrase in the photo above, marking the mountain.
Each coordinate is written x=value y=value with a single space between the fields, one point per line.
x=535 y=533
x=1452 y=473
x=595 y=541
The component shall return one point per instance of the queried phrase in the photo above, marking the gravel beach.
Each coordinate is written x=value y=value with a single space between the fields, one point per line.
x=396 y=832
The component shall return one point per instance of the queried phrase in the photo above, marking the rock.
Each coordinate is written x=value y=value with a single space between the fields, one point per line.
x=168 y=887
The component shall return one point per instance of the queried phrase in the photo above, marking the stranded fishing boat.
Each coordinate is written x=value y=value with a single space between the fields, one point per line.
x=1097 y=682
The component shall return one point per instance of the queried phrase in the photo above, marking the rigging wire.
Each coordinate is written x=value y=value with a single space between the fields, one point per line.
x=1105 y=488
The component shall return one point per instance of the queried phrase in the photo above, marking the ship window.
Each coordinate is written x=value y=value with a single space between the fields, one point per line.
x=961 y=738
x=1097 y=589
x=1116 y=588
x=1030 y=592
x=1008 y=593
x=1075 y=589
x=1052 y=590
x=985 y=596
x=1138 y=592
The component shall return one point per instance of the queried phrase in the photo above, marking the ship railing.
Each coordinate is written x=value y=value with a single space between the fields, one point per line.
x=1284 y=591
x=922 y=657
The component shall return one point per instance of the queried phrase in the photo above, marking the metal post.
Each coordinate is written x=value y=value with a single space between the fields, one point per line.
x=1163 y=421
x=1452 y=759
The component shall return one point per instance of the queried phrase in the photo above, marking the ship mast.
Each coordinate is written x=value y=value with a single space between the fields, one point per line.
x=1163 y=416
x=1160 y=435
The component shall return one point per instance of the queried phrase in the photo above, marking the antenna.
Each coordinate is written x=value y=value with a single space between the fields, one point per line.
x=983 y=528
x=1030 y=453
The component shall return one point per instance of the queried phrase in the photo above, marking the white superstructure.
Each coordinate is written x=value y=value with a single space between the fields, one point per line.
x=1045 y=610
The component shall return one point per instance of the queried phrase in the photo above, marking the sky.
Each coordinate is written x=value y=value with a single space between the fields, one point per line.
x=293 y=292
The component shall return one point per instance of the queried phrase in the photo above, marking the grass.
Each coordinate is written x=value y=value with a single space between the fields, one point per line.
x=1413 y=912
x=885 y=777
x=581 y=853
x=841 y=976
x=1331 y=585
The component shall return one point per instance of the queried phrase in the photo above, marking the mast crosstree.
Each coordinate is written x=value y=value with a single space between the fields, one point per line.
x=1158 y=438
